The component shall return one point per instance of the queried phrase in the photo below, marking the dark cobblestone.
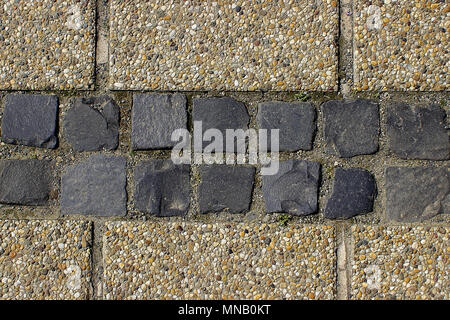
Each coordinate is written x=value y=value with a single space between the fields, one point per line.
x=351 y=127
x=226 y=188
x=417 y=193
x=90 y=129
x=25 y=182
x=417 y=132
x=155 y=117
x=95 y=187
x=294 y=189
x=296 y=122
x=162 y=188
x=354 y=191
x=30 y=120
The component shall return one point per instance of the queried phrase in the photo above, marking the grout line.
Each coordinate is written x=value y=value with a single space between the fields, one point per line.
x=345 y=47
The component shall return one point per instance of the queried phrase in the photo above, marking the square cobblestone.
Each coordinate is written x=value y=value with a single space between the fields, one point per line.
x=161 y=260
x=203 y=45
x=401 y=45
x=47 y=44
x=45 y=259
x=400 y=262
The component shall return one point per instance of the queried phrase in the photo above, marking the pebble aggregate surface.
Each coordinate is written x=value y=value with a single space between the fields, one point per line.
x=45 y=259
x=159 y=260
x=400 y=262
x=221 y=45
x=47 y=44
x=401 y=45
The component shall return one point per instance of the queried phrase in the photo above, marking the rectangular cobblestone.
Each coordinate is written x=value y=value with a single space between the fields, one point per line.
x=161 y=260
x=47 y=44
x=401 y=45
x=45 y=259
x=206 y=45
x=400 y=262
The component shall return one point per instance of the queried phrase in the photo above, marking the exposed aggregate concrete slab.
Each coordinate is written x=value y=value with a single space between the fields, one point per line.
x=47 y=44
x=400 y=262
x=206 y=45
x=45 y=259
x=166 y=260
x=401 y=45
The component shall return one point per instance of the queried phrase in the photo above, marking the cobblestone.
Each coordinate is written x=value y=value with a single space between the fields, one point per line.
x=30 y=120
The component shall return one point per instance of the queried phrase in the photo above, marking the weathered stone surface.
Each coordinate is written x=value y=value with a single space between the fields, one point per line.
x=96 y=186
x=226 y=188
x=417 y=132
x=25 y=182
x=220 y=113
x=416 y=193
x=210 y=260
x=92 y=124
x=354 y=191
x=351 y=127
x=294 y=189
x=162 y=188
x=296 y=122
x=45 y=259
x=30 y=120
x=155 y=117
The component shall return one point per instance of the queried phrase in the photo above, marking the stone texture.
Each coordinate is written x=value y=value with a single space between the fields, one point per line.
x=400 y=262
x=219 y=113
x=351 y=127
x=47 y=44
x=162 y=188
x=96 y=186
x=182 y=260
x=92 y=124
x=45 y=259
x=25 y=182
x=210 y=46
x=226 y=188
x=417 y=132
x=155 y=117
x=401 y=45
x=294 y=189
x=416 y=193
x=354 y=191
x=296 y=122
x=30 y=120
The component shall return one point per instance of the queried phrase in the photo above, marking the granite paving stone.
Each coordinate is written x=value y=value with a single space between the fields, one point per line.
x=45 y=259
x=182 y=260
x=221 y=114
x=401 y=45
x=294 y=189
x=351 y=127
x=354 y=191
x=25 y=182
x=400 y=262
x=225 y=188
x=92 y=124
x=416 y=193
x=47 y=44
x=96 y=186
x=418 y=132
x=296 y=122
x=155 y=117
x=162 y=188
x=30 y=120
x=209 y=45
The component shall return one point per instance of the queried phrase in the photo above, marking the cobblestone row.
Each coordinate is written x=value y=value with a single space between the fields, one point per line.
x=97 y=186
